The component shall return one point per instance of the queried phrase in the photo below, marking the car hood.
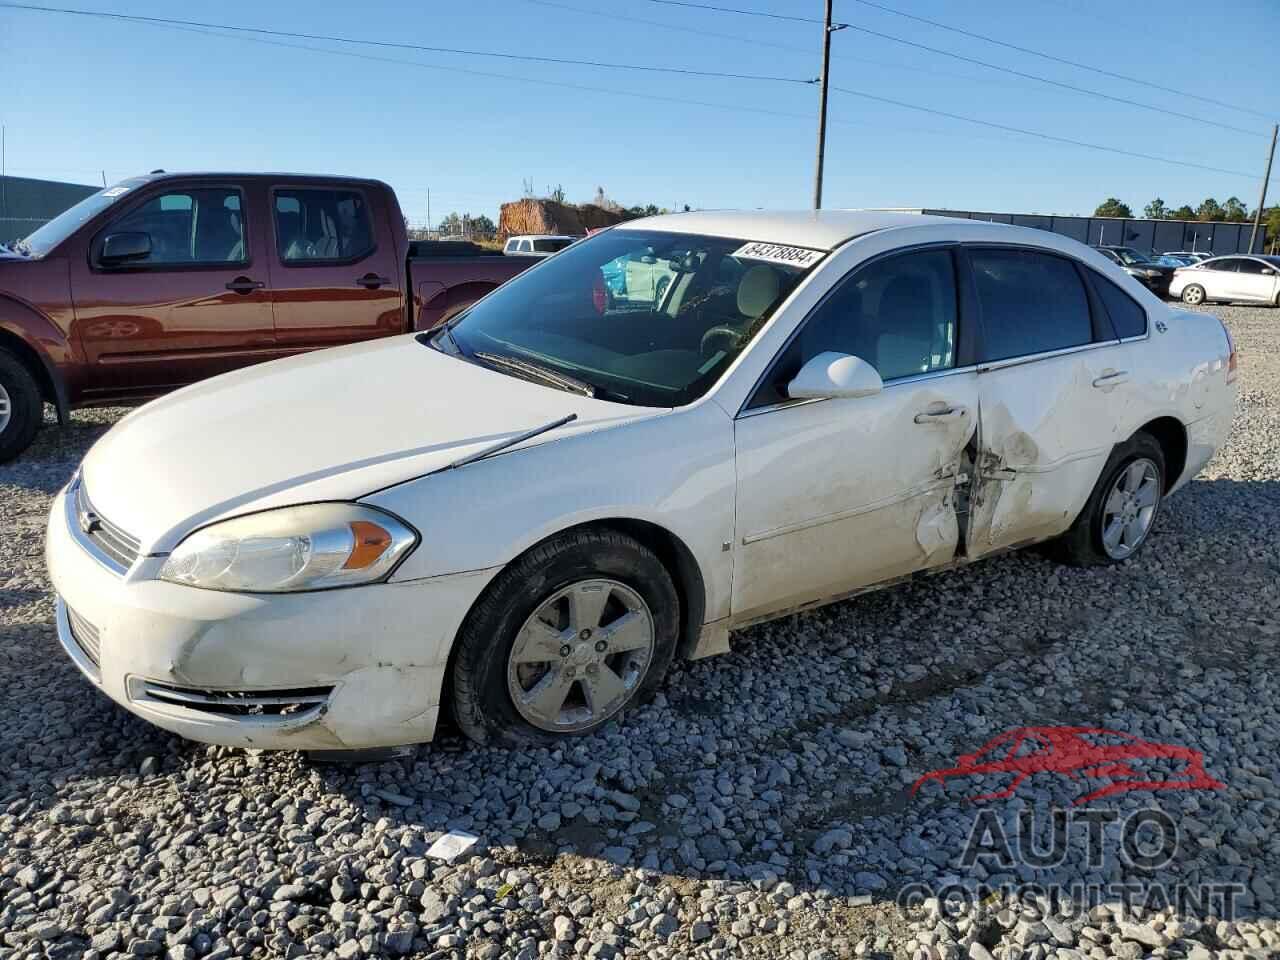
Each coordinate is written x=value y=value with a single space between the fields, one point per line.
x=331 y=425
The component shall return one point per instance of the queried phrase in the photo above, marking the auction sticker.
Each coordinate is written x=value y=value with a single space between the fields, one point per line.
x=778 y=253
x=115 y=192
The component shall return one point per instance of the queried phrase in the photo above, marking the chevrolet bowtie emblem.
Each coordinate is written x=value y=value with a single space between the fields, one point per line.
x=89 y=521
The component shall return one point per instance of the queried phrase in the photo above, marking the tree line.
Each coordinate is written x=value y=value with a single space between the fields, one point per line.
x=1231 y=210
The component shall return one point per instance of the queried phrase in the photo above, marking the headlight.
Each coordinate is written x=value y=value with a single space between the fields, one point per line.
x=311 y=547
x=1152 y=273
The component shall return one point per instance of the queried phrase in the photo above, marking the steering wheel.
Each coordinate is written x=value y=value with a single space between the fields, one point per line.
x=721 y=337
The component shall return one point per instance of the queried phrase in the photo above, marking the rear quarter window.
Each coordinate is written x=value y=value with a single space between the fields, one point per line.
x=1127 y=316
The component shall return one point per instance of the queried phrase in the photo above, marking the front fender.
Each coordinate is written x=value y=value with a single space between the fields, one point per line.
x=675 y=472
x=35 y=337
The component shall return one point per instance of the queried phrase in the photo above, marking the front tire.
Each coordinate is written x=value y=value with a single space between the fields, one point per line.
x=21 y=406
x=564 y=640
x=1120 y=513
x=1193 y=294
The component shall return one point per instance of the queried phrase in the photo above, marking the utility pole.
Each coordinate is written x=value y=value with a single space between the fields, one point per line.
x=1262 y=200
x=428 y=213
x=827 y=30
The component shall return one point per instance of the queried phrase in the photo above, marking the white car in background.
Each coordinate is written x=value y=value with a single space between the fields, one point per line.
x=534 y=509
x=539 y=245
x=1246 y=278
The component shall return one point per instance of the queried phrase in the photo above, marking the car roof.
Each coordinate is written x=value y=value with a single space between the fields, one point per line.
x=541 y=236
x=815 y=229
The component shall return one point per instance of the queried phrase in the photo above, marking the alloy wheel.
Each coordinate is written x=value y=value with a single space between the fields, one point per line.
x=6 y=408
x=580 y=655
x=1130 y=508
x=1193 y=295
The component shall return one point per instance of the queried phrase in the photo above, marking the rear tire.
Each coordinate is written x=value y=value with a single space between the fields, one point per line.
x=1193 y=294
x=21 y=406
x=489 y=671
x=1121 y=496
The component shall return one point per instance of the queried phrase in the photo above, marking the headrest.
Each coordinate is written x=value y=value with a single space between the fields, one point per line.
x=757 y=290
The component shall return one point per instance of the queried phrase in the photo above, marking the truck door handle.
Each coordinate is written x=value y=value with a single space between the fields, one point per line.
x=942 y=416
x=245 y=285
x=1112 y=379
x=371 y=281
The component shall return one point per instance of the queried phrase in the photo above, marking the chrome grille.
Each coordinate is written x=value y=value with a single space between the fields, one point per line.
x=101 y=536
x=289 y=704
x=85 y=635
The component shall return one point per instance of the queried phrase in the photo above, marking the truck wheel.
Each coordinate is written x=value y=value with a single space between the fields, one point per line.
x=21 y=406
x=1119 y=515
x=563 y=640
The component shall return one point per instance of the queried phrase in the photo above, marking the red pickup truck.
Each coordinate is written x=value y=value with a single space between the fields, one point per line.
x=166 y=279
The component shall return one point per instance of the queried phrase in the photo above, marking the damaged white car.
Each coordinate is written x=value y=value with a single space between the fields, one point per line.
x=523 y=517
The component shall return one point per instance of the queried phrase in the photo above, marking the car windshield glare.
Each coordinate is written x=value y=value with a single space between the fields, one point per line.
x=642 y=317
x=45 y=238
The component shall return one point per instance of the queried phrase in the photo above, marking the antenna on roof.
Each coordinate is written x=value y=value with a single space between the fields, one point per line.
x=157 y=171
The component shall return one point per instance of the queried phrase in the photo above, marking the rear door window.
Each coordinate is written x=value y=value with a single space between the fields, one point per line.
x=322 y=226
x=1031 y=303
x=1127 y=316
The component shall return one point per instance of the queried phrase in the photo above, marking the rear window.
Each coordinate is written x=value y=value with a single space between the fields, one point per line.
x=1031 y=303
x=550 y=246
x=1127 y=316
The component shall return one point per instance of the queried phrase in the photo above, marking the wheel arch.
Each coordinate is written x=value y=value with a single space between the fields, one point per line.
x=672 y=551
x=1170 y=433
x=52 y=389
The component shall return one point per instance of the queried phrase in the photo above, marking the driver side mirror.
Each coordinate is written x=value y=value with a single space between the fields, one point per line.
x=835 y=375
x=123 y=247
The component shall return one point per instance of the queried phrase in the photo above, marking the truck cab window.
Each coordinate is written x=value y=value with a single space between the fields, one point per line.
x=319 y=225
x=187 y=227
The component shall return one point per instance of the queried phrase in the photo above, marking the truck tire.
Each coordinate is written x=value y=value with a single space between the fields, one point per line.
x=571 y=634
x=21 y=406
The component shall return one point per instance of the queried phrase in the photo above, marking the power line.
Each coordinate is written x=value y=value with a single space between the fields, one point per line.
x=424 y=48
x=992 y=66
x=1049 y=56
x=1055 y=83
x=1043 y=136
x=680 y=100
x=793 y=48
x=745 y=13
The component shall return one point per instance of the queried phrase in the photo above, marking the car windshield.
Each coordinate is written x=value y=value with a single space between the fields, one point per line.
x=1131 y=257
x=41 y=241
x=633 y=316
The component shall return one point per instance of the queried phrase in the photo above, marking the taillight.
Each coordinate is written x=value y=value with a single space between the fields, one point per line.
x=1231 y=355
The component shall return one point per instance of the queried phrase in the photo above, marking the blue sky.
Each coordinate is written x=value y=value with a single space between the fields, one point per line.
x=82 y=95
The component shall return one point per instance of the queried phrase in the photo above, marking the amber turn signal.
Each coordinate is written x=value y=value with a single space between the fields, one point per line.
x=371 y=543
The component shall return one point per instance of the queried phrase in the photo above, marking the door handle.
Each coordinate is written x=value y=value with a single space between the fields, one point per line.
x=942 y=416
x=1112 y=379
x=371 y=281
x=245 y=285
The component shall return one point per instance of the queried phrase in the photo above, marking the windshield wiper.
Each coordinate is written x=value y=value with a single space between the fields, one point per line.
x=535 y=371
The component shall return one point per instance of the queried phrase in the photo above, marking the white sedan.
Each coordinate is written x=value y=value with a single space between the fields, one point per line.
x=525 y=516
x=1246 y=278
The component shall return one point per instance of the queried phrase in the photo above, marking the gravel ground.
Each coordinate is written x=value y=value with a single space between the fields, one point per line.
x=757 y=808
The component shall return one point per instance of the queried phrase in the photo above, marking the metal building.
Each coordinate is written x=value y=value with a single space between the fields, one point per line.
x=1145 y=235
x=26 y=204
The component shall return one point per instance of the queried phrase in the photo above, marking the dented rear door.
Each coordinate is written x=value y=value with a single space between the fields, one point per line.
x=1049 y=378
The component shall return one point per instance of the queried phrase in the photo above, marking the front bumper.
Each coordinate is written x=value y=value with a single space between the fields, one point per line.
x=340 y=669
